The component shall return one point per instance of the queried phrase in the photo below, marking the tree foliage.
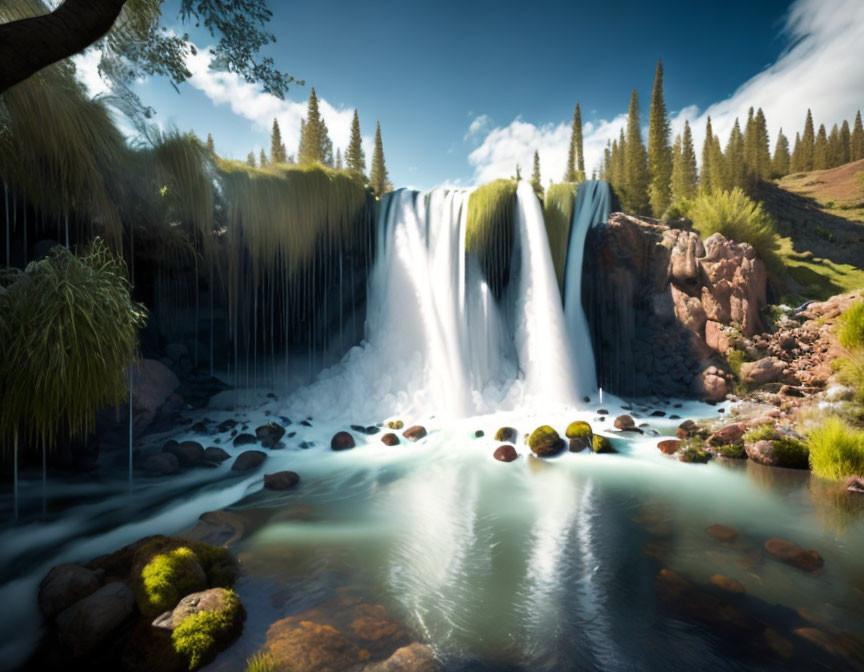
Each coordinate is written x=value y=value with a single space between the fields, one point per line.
x=378 y=179
x=355 y=158
x=636 y=176
x=659 y=152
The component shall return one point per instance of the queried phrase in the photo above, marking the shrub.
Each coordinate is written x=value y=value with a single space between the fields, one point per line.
x=197 y=636
x=836 y=450
x=851 y=332
x=678 y=210
x=489 y=232
x=737 y=217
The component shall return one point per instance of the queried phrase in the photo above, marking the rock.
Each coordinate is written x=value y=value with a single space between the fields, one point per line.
x=198 y=637
x=270 y=434
x=506 y=435
x=580 y=435
x=188 y=453
x=544 y=441
x=722 y=532
x=152 y=385
x=793 y=554
x=395 y=424
x=390 y=439
x=692 y=455
x=414 y=433
x=281 y=480
x=479 y=434
x=505 y=453
x=415 y=657
x=727 y=584
x=625 y=423
x=716 y=337
x=215 y=454
x=669 y=446
x=727 y=434
x=244 y=440
x=686 y=429
x=226 y=426
x=250 y=459
x=854 y=484
x=342 y=441
x=784 y=452
x=762 y=371
x=162 y=464
x=89 y=622
x=600 y=444
x=65 y=585
x=710 y=385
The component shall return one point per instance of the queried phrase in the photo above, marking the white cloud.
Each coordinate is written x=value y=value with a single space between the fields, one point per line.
x=478 y=125
x=251 y=102
x=822 y=69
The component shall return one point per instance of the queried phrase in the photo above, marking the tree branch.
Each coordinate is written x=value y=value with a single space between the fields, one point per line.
x=28 y=45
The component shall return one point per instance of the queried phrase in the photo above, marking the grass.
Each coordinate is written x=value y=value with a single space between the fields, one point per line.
x=851 y=332
x=836 y=450
x=737 y=217
x=197 y=636
x=490 y=231
x=558 y=213
x=838 y=191
x=261 y=662
x=819 y=278
x=761 y=433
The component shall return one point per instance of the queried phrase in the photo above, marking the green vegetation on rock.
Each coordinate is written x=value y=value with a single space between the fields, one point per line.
x=544 y=441
x=490 y=231
x=197 y=636
x=692 y=454
x=600 y=444
x=558 y=213
x=167 y=578
x=737 y=217
x=578 y=429
x=765 y=432
x=733 y=451
x=836 y=450
x=791 y=453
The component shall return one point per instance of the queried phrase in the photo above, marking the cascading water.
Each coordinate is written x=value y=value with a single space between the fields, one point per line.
x=593 y=206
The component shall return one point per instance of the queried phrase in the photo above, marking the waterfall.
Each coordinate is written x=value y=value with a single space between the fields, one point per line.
x=593 y=206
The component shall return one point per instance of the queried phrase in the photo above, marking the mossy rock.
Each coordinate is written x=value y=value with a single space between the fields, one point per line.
x=205 y=623
x=544 y=441
x=578 y=429
x=732 y=451
x=166 y=578
x=600 y=444
x=694 y=455
x=506 y=435
x=791 y=453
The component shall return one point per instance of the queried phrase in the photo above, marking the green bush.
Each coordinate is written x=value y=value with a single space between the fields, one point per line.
x=679 y=209
x=197 y=636
x=737 y=217
x=851 y=332
x=836 y=450
x=489 y=232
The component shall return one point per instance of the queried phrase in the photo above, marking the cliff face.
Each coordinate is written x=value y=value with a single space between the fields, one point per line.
x=660 y=302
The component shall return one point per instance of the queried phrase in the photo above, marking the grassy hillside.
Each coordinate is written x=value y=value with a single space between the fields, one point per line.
x=820 y=218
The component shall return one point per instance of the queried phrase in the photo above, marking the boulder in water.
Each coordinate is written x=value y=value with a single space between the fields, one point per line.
x=215 y=454
x=600 y=444
x=65 y=585
x=244 y=440
x=625 y=423
x=162 y=464
x=86 y=624
x=342 y=441
x=395 y=424
x=415 y=433
x=188 y=453
x=505 y=453
x=390 y=439
x=669 y=446
x=793 y=554
x=722 y=532
x=270 y=434
x=250 y=459
x=281 y=480
x=479 y=434
x=506 y=435
x=544 y=441
x=204 y=623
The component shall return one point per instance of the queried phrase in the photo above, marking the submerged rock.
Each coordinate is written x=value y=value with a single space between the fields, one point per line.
x=505 y=453
x=251 y=459
x=544 y=441
x=414 y=433
x=281 y=480
x=722 y=532
x=415 y=657
x=727 y=583
x=342 y=441
x=793 y=554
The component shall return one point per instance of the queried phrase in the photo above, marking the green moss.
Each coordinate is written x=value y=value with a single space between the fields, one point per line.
x=737 y=217
x=694 y=455
x=218 y=564
x=836 y=450
x=197 y=637
x=489 y=232
x=765 y=432
x=578 y=429
x=735 y=359
x=732 y=451
x=791 y=453
x=261 y=662
x=544 y=441
x=851 y=332
x=167 y=578
x=558 y=213
x=600 y=444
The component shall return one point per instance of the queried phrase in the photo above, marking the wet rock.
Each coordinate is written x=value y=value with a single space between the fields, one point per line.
x=479 y=434
x=854 y=484
x=244 y=440
x=65 y=585
x=506 y=435
x=669 y=446
x=544 y=441
x=214 y=454
x=281 y=480
x=89 y=622
x=505 y=453
x=838 y=643
x=602 y=411
x=390 y=439
x=686 y=429
x=415 y=657
x=625 y=423
x=395 y=424
x=580 y=435
x=783 y=452
x=162 y=464
x=414 y=433
x=306 y=445
x=269 y=434
x=188 y=453
x=600 y=444
x=342 y=441
x=658 y=414
x=727 y=583
x=251 y=459
x=722 y=532
x=793 y=554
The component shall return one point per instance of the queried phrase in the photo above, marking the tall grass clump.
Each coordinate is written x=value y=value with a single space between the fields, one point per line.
x=490 y=232
x=737 y=217
x=851 y=332
x=69 y=331
x=558 y=214
x=836 y=450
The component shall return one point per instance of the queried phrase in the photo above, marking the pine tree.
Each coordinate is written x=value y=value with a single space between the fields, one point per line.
x=684 y=172
x=763 y=147
x=659 y=154
x=780 y=164
x=575 y=171
x=262 y=159
x=326 y=146
x=620 y=163
x=636 y=162
x=338 y=159
x=313 y=134
x=737 y=166
x=856 y=146
x=250 y=159
x=707 y=180
x=835 y=151
x=278 y=153
x=795 y=165
x=820 y=149
x=606 y=168
x=845 y=143
x=536 y=184
x=355 y=159
x=750 y=144
x=211 y=148
x=378 y=176
x=808 y=143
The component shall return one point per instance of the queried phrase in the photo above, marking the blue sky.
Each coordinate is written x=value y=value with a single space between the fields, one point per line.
x=428 y=70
